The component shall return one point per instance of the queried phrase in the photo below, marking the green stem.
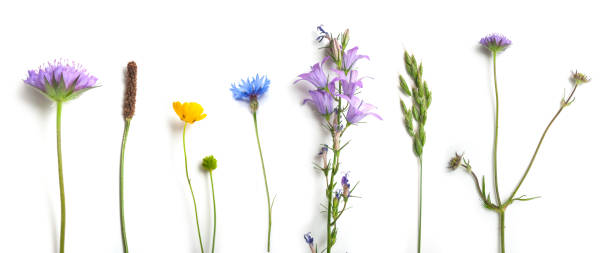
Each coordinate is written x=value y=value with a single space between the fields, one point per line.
x=212 y=186
x=535 y=153
x=496 y=129
x=123 y=232
x=329 y=195
x=502 y=237
x=420 y=201
x=263 y=168
x=61 y=175
x=191 y=189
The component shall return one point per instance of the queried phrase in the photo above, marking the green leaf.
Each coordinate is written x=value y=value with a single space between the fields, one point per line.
x=524 y=198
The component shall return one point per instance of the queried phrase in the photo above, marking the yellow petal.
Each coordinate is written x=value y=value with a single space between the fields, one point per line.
x=178 y=108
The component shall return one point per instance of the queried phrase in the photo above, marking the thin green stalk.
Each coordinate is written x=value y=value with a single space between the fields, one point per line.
x=61 y=175
x=212 y=186
x=496 y=129
x=123 y=231
x=329 y=193
x=502 y=222
x=191 y=189
x=535 y=153
x=420 y=201
x=263 y=168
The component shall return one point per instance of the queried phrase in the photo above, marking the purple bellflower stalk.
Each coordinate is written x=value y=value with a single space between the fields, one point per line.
x=250 y=90
x=334 y=97
x=496 y=43
x=61 y=81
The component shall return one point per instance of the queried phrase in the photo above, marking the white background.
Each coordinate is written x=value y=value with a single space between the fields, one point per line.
x=193 y=51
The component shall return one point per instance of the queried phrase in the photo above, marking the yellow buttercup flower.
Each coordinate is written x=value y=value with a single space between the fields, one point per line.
x=189 y=112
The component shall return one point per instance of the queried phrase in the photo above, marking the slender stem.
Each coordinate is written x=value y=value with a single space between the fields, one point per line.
x=420 y=201
x=195 y=207
x=61 y=175
x=535 y=153
x=502 y=237
x=496 y=129
x=329 y=196
x=263 y=168
x=212 y=186
x=121 y=206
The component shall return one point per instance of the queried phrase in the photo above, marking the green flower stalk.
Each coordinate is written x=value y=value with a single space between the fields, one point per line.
x=190 y=113
x=497 y=43
x=209 y=164
x=61 y=81
x=129 y=106
x=417 y=114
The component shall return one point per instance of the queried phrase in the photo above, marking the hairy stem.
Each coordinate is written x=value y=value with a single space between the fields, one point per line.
x=535 y=153
x=121 y=206
x=61 y=176
x=195 y=207
x=263 y=168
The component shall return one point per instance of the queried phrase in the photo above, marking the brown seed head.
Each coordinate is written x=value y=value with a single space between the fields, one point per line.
x=129 y=100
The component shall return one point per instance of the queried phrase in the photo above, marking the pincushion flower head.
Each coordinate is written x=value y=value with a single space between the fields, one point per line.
x=495 y=42
x=190 y=112
x=61 y=80
x=250 y=90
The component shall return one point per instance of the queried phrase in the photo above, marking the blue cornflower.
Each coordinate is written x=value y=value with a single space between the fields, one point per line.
x=323 y=33
x=250 y=90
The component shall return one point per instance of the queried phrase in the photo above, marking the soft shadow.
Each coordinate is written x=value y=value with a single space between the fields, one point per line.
x=37 y=100
x=53 y=223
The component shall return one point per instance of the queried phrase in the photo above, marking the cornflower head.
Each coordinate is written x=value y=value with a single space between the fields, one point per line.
x=61 y=80
x=495 y=42
x=189 y=112
x=250 y=90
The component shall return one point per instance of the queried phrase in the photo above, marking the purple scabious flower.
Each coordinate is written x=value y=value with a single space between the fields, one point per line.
x=322 y=100
x=358 y=109
x=495 y=42
x=316 y=76
x=250 y=90
x=350 y=57
x=61 y=80
x=349 y=83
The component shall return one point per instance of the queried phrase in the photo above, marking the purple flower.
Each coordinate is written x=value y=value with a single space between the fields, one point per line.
x=339 y=193
x=322 y=100
x=310 y=241
x=316 y=76
x=358 y=110
x=350 y=57
x=350 y=83
x=250 y=90
x=322 y=33
x=346 y=187
x=495 y=42
x=61 y=80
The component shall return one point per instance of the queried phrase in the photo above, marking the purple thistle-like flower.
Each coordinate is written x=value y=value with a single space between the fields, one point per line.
x=350 y=83
x=316 y=76
x=358 y=109
x=350 y=57
x=322 y=100
x=61 y=80
x=250 y=90
x=495 y=42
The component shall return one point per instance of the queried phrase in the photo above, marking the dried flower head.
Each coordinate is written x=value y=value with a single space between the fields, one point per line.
x=580 y=78
x=61 y=80
x=129 y=100
x=190 y=112
x=495 y=42
x=455 y=162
